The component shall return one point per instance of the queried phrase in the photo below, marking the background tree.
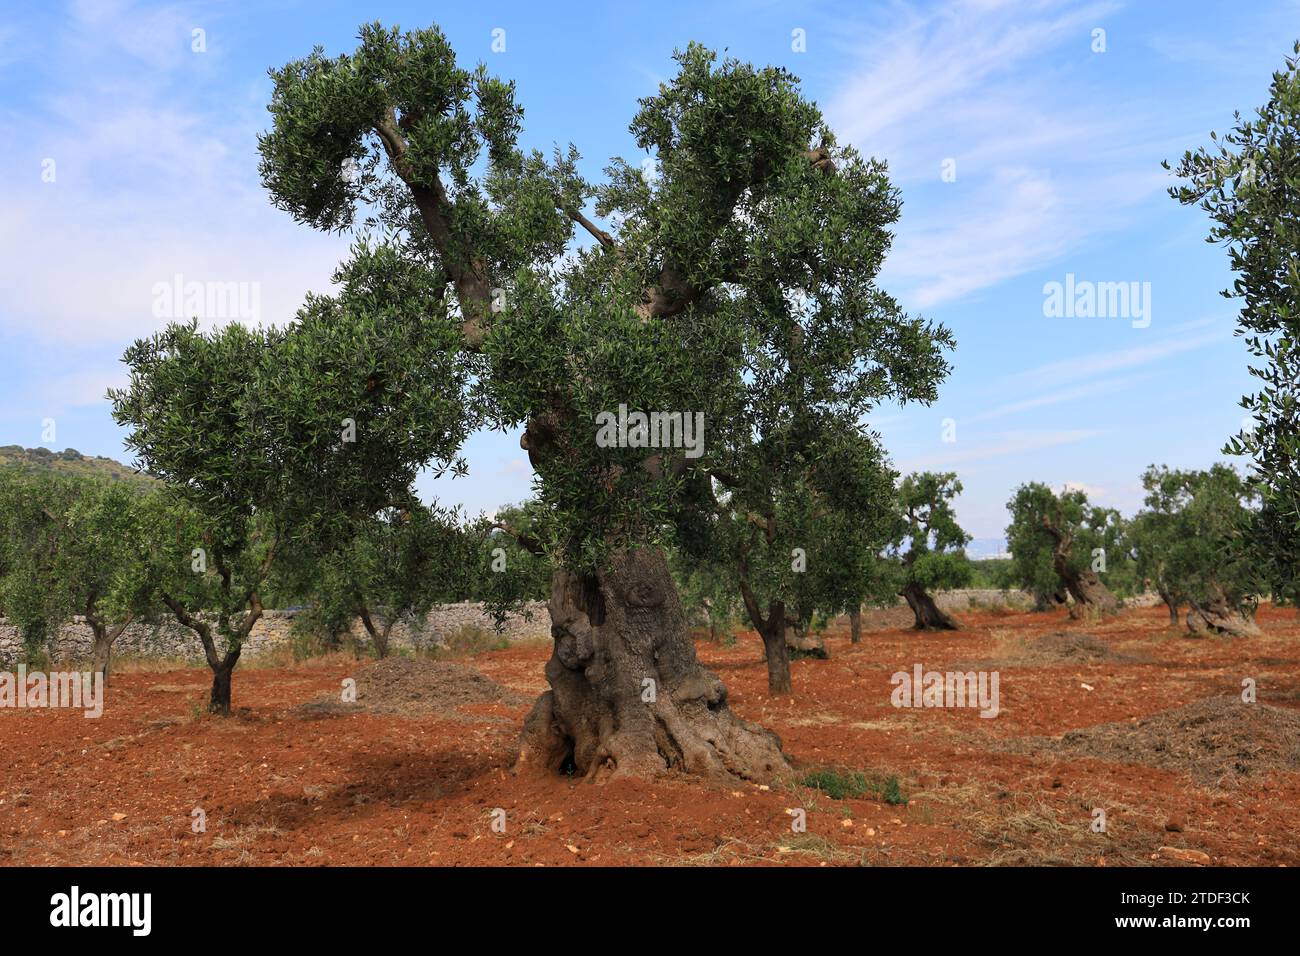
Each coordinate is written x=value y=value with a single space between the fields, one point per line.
x=751 y=228
x=1193 y=537
x=1074 y=534
x=397 y=566
x=710 y=592
x=935 y=557
x=74 y=546
x=274 y=439
x=1249 y=183
x=804 y=531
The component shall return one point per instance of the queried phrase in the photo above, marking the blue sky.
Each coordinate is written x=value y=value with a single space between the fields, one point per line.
x=1056 y=149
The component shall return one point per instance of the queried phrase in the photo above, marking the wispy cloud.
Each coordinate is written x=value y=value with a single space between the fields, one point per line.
x=1089 y=390
x=1101 y=363
x=998 y=445
x=1005 y=91
x=147 y=181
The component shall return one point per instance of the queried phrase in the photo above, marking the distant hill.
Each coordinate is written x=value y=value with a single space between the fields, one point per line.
x=70 y=461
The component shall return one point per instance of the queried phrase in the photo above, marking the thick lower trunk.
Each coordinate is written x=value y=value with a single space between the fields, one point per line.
x=1047 y=600
x=927 y=613
x=628 y=697
x=855 y=625
x=1219 y=616
x=1090 y=595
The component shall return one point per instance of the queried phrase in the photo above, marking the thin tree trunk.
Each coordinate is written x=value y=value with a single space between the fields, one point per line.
x=378 y=635
x=776 y=651
x=1172 y=605
x=219 y=700
x=771 y=630
x=855 y=625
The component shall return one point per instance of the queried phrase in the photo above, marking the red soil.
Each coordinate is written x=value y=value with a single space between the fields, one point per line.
x=281 y=783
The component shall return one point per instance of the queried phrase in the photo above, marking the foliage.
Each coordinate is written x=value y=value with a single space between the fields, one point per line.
x=1192 y=540
x=72 y=544
x=736 y=283
x=934 y=558
x=1249 y=183
x=1093 y=539
x=852 y=784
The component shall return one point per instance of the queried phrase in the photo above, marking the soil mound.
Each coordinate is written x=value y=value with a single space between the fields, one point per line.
x=415 y=687
x=1218 y=740
x=1058 y=647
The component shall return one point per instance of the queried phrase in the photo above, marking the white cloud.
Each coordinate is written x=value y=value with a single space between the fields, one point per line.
x=1099 y=363
x=147 y=184
x=1044 y=162
x=998 y=446
x=1108 y=386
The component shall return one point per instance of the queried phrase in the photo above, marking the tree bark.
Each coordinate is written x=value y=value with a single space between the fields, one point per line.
x=628 y=697
x=1045 y=601
x=800 y=642
x=1218 y=616
x=927 y=613
x=855 y=625
x=222 y=667
x=776 y=654
x=772 y=630
x=1172 y=604
x=1087 y=590
x=378 y=635
x=103 y=641
x=103 y=649
x=219 y=700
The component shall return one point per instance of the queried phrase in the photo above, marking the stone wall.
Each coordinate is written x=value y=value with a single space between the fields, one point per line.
x=168 y=639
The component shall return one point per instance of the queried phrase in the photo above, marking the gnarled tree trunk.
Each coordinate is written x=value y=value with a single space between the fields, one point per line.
x=800 y=642
x=104 y=638
x=1089 y=594
x=628 y=697
x=927 y=613
x=1219 y=616
x=1046 y=601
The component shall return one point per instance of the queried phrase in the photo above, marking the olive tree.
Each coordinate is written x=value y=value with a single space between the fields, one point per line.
x=804 y=532
x=277 y=439
x=74 y=546
x=614 y=336
x=396 y=566
x=1191 y=541
x=1079 y=540
x=1249 y=183
x=934 y=558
